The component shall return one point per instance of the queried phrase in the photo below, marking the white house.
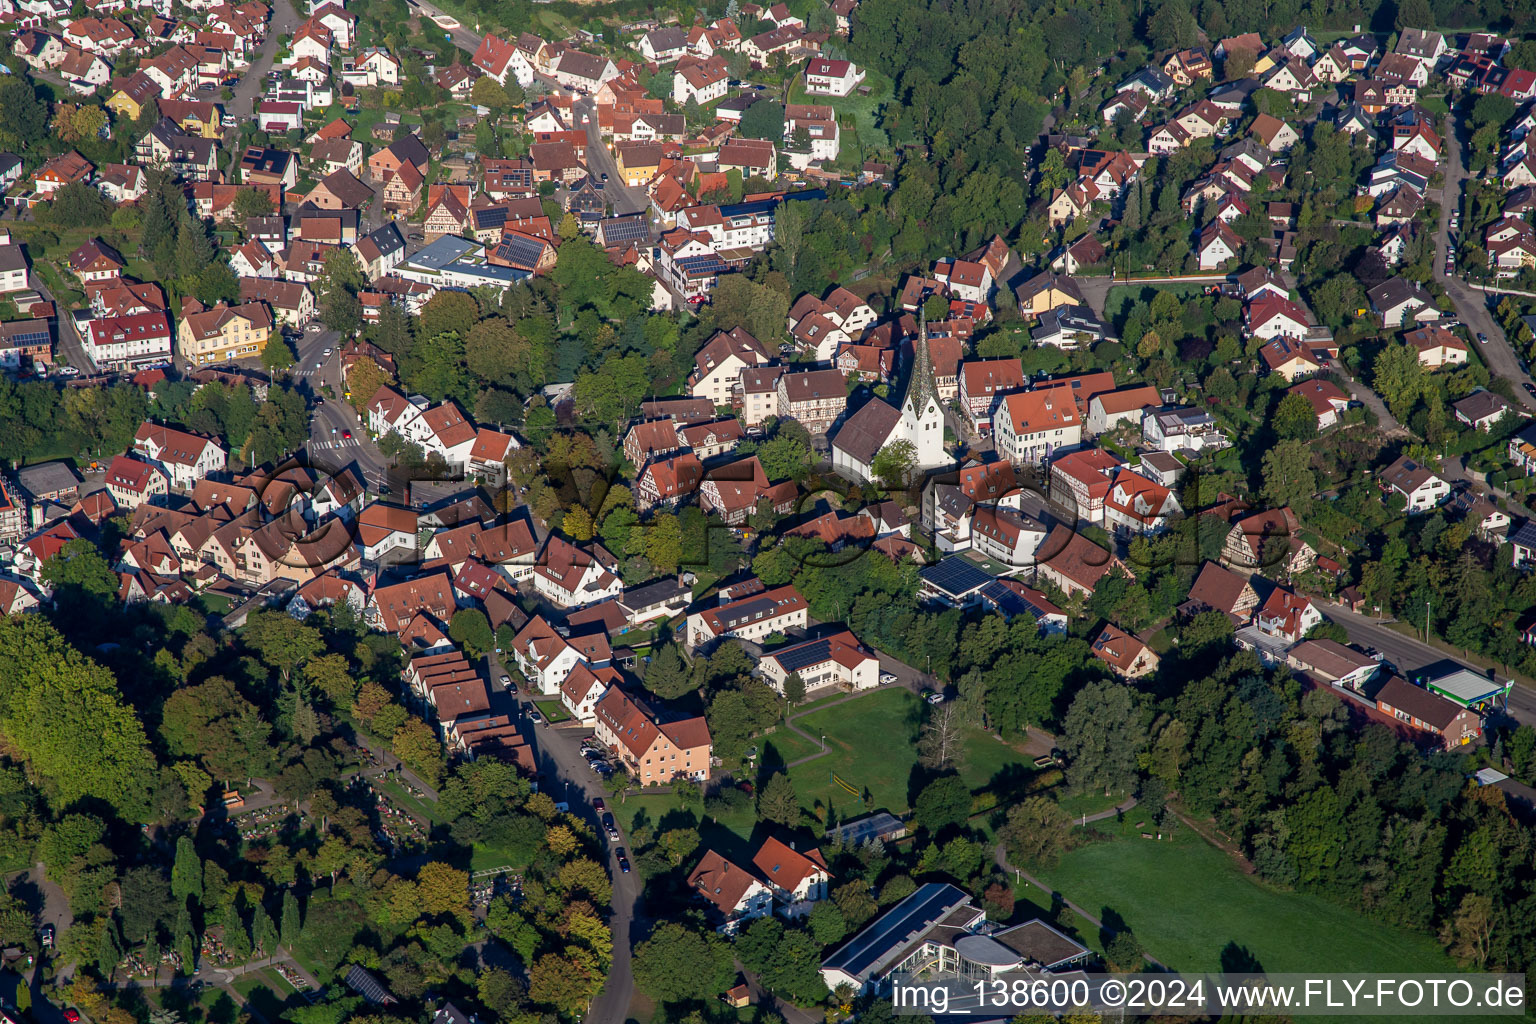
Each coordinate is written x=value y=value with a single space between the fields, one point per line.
x=824 y=77
x=1420 y=487
x=835 y=660
x=1031 y=425
x=543 y=656
x=184 y=457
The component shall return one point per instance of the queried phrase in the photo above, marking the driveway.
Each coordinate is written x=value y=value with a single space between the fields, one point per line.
x=1471 y=304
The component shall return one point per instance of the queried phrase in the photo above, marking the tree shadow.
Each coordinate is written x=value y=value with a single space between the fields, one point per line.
x=224 y=1010
x=1111 y=924
x=1237 y=959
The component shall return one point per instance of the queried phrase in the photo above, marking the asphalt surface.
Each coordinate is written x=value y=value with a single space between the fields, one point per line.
x=1471 y=304
x=1410 y=655
x=284 y=21
x=334 y=418
x=601 y=162
x=463 y=36
x=566 y=776
x=69 y=342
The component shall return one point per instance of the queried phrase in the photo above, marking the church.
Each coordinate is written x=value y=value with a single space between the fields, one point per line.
x=919 y=420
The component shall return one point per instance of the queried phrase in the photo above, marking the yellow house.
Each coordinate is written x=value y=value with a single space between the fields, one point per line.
x=1047 y=291
x=196 y=117
x=638 y=162
x=130 y=95
x=224 y=333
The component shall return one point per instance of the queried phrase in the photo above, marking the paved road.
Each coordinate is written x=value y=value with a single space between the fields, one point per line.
x=1410 y=655
x=601 y=162
x=1472 y=305
x=565 y=775
x=334 y=418
x=463 y=36
x=1371 y=400
x=284 y=20
x=69 y=342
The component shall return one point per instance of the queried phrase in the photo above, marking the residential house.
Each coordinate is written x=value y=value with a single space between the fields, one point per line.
x=224 y=333
x=653 y=751
x=1219 y=589
x=1328 y=400
x=1127 y=656
x=1074 y=564
x=1483 y=409
x=133 y=482
x=1402 y=303
x=1182 y=429
x=736 y=896
x=1031 y=425
x=754 y=617
x=1420 y=487
x=184 y=457
x=824 y=77
x=1287 y=616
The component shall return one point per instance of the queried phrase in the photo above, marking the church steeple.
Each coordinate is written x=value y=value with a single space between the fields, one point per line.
x=921 y=388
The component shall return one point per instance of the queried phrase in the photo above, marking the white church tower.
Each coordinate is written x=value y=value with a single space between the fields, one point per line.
x=922 y=418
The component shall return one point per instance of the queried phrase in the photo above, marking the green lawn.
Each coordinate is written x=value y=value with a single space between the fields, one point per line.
x=267 y=994
x=552 y=710
x=872 y=748
x=865 y=136
x=1186 y=901
x=662 y=811
x=990 y=762
x=782 y=747
x=1436 y=105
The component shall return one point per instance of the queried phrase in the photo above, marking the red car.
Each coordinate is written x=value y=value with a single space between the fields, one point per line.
x=72 y=1015
x=347 y=434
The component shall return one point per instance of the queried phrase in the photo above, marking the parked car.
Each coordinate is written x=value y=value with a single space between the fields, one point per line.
x=46 y=934
x=534 y=716
x=599 y=806
x=887 y=678
x=1530 y=389
x=505 y=679
x=611 y=827
x=623 y=862
x=933 y=697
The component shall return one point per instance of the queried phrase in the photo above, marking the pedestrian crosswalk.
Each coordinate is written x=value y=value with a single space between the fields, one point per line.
x=329 y=443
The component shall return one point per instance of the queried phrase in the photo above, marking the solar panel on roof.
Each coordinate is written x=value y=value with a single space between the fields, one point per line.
x=955 y=575
x=804 y=655
x=903 y=922
x=710 y=264
x=29 y=338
